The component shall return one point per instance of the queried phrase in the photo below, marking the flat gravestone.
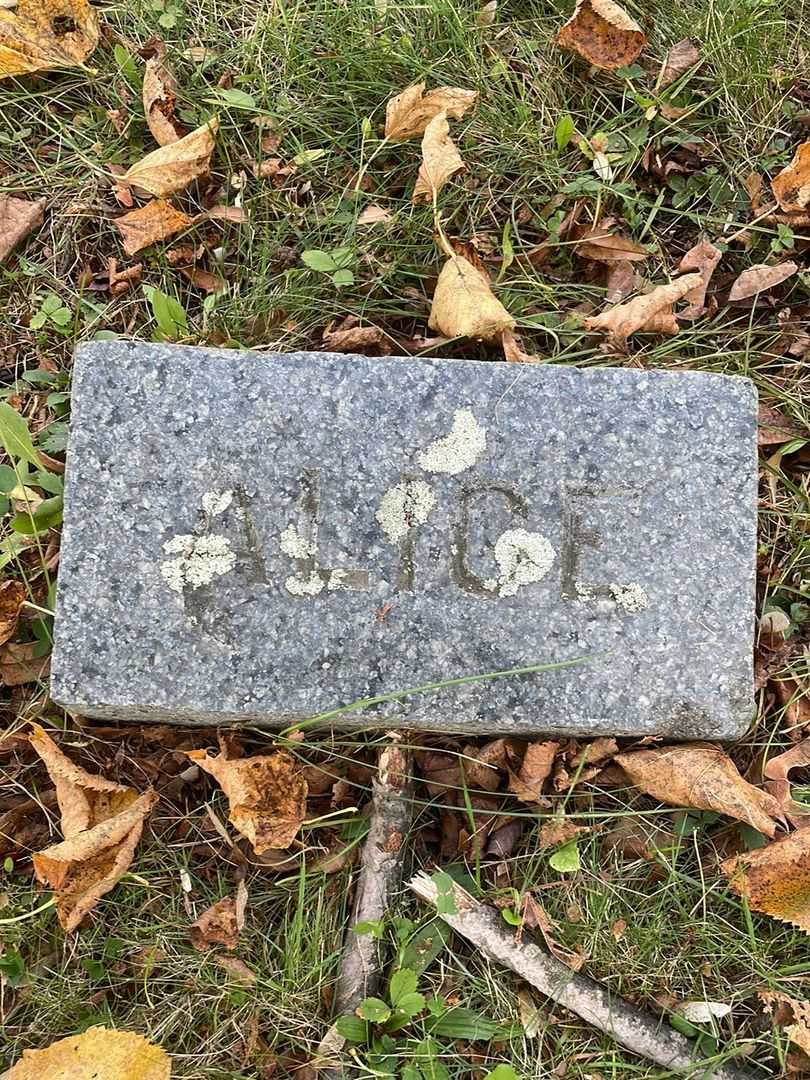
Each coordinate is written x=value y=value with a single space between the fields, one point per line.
x=262 y=537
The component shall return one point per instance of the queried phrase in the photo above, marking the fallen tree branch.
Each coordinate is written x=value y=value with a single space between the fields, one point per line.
x=380 y=873
x=635 y=1029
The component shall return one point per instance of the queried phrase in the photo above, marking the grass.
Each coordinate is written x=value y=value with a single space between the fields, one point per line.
x=319 y=70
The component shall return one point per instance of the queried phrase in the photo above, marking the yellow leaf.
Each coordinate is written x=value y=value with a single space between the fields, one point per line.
x=158 y=101
x=651 y=313
x=464 y=305
x=84 y=868
x=603 y=33
x=702 y=778
x=267 y=795
x=409 y=113
x=97 y=1053
x=440 y=160
x=40 y=34
x=102 y=823
x=148 y=224
x=84 y=800
x=173 y=167
x=792 y=185
x=776 y=878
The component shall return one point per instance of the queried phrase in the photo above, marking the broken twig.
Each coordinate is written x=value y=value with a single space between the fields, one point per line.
x=380 y=873
x=635 y=1029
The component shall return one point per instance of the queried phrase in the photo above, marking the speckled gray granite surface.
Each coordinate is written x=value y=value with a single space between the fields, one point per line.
x=261 y=537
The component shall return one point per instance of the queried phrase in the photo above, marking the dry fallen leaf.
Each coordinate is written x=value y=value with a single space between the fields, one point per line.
x=798 y=1031
x=36 y=35
x=702 y=778
x=84 y=868
x=603 y=33
x=536 y=917
x=84 y=800
x=791 y=186
x=237 y=969
x=97 y=1053
x=757 y=279
x=149 y=224
x=774 y=428
x=159 y=97
x=267 y=795
x=601 y=245
x=513 y=351
x=218 y=925
x=527 y=783
x=358 y=339
x=776 y=771
x=17 y=216
x=12 y=596
x=703 y=257
x=558 y=830
x=776 y=878
x=21 y=663
x=440 y=160
x=373 y=215
x=173 y=167
x=650 y=313
x=464 y=304
x=680 y=58
x=409 y=113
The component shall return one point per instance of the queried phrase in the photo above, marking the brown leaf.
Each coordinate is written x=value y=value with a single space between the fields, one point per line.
x=204 y=279
x=650 y=313
x=776 y=878
x=635 y=839
x=791 y=186
x=173 y=167
x=595 y=753
x=528 y=783
x=558 y=830
x=85 y=867
x=37 y=35
x=218 y=925
x=97 y=1052
x=603 y=33
x=503 y=840
x=235 y=214
x=409 y=113
x=482 y=765
x=621 y=280
x=237 y=969
x=440 y=160
x=150 y=223
x=795 y=699
x=536 y=918
x=798 y=1029
x=774 y=428
x=12 y=596
x=358 y=339
x=267 y=795
x=84 y=800
x=601 y=245
x=679 y=59
x=757 y=279
x=702 y=778
x=776 y=770
x=19 y=663
x=704 y=258
x=18 y=217
x=372 y=215
x=513 y=351
x=464 y=304
x=159 y=96
x=441 y=772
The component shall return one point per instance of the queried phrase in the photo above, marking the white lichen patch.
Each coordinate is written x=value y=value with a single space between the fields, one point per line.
x=631 y=597
x=295 y=544
x=199 y=560
x=404 y=507
x=216 y=502
x=457 y=451
x=337 y=580
x=304 y=586
x=523 y=558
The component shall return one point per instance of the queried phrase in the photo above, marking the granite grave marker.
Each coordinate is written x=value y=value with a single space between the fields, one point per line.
x=256 y=538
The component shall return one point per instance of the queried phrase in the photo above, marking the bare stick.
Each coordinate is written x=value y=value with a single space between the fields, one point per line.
x=633 y=1028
